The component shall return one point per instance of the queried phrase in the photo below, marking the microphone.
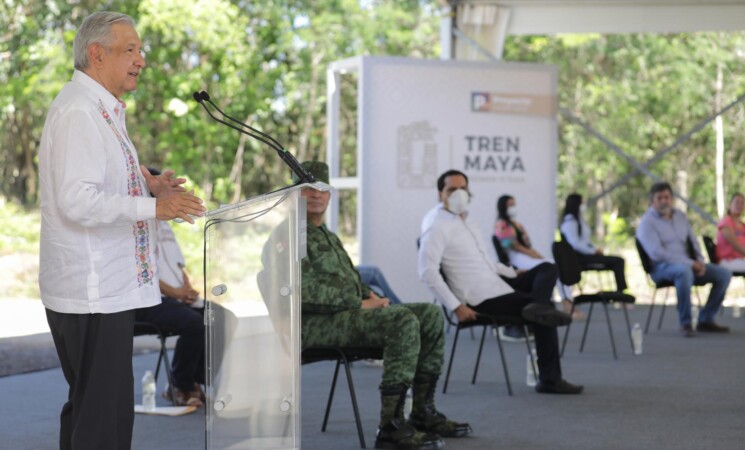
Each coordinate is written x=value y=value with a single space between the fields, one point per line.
x=303 y=175
x=206 y=97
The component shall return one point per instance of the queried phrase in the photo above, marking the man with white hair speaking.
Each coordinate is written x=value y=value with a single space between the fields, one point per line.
x=97 y=255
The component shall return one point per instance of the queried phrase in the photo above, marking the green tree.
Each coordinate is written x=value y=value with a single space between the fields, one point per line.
x=642 y=91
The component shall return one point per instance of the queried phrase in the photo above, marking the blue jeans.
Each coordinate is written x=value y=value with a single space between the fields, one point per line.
x=683 y=278
x=373 y=277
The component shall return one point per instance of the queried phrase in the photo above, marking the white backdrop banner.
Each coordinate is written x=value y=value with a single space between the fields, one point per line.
x=496 y=122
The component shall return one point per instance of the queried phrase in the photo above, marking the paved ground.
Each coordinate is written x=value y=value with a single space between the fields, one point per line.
x=680 y=394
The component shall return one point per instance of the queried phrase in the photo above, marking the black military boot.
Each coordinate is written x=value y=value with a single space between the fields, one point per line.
x=394 y=431
x=425 y=417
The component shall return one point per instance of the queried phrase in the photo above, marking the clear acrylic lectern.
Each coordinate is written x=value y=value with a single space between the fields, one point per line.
x=252 y=274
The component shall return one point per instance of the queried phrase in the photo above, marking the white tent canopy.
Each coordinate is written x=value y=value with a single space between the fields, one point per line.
x=488 y=22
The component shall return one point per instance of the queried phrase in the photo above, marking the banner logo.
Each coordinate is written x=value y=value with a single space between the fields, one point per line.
x=493 y=154
x=416 y=155
x=532 y=105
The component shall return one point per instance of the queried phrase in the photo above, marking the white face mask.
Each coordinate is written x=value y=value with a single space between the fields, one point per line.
x=511 y=212
x=458 y=202
x=582 y=209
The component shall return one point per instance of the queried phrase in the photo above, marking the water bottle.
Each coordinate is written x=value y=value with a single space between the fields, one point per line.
x=531 y=378
x=636 y=337
x=148 y=391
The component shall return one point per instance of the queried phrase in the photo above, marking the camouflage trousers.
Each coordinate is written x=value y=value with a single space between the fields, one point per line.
x=410 y=334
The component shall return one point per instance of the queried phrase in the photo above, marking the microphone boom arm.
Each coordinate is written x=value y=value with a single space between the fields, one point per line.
x=303 y=175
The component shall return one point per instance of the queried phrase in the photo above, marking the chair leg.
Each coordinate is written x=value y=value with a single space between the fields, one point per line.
x=504 y=364
x=649 y=314
x=628 y=325
x=331 y=394
x=530 y=350
x=450 y=363
x=566 y=333
x=161 y=353
x=610 y=330
x=587 y=325
x=163 y=356
x=662 y=312
x=354 y=404
x=478 y=356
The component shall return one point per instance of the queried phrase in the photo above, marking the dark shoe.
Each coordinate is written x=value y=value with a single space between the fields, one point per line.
x=394 y=431
x=687 y=331
x=424 y=414
x=545 y=315
x=558 y=387
x=711 y=327
x=401 y=434
x=440 y=425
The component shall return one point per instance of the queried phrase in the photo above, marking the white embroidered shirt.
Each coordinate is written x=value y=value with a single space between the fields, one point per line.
x=98 y=233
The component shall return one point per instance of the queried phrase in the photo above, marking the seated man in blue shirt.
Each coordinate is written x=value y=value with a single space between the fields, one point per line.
x=673 y=249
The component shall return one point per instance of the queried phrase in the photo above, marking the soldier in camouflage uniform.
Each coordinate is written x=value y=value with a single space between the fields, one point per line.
x=337 y=309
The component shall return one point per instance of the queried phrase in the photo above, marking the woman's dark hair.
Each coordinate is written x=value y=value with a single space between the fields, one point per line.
x=734 y=196
x=571 y=208
x=502 y=214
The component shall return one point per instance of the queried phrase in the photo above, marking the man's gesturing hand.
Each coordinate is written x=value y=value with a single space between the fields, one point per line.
x=182 y=205
x=164 y=184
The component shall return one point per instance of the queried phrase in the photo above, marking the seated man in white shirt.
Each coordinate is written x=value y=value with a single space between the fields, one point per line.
x=451 y=242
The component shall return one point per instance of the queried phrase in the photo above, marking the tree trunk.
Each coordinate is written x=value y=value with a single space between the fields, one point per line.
x=719 y=130
x=307 y=123
x=236 y=171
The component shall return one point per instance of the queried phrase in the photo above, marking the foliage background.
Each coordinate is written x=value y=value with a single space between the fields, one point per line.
x=265 y=62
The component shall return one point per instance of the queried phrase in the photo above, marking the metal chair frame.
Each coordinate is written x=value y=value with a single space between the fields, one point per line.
x=485 y=321
x=342 y=356
x=647 y=266
x=570 y=273
x=711 y=251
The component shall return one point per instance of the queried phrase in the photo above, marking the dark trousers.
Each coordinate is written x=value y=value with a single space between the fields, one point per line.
x=95 y=352
x=533 y=286
x=606 y=262
x=172 y=316
x=539 y=281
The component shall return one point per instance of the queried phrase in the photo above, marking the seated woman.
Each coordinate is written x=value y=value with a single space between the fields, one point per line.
x=577 y=233
x=522 y=255
x=731 y=236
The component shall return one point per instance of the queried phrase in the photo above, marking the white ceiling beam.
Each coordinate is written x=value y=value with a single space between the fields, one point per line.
x=619 y=16
x=634 y=18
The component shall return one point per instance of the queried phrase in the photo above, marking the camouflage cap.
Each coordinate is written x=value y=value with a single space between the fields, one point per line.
x=319 y=169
